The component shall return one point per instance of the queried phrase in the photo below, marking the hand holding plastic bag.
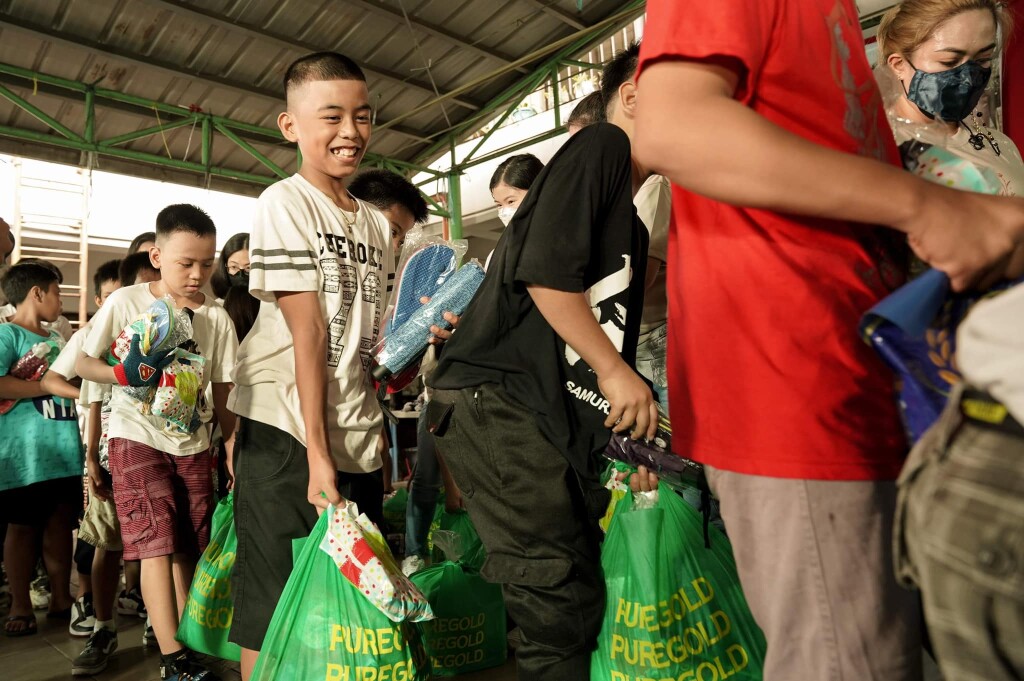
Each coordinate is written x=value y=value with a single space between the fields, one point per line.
x=675 y=610
x=325 y=629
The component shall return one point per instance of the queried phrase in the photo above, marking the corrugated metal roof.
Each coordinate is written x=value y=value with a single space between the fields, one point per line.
x=228 y=57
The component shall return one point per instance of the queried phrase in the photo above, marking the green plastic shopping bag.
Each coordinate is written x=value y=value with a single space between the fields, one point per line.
x=207 y=618
x=471 y=548
x=468 y=632
x=325 y=629
x=675 y=609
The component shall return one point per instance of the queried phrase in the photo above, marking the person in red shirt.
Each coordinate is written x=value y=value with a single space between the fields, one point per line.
x=766 y=117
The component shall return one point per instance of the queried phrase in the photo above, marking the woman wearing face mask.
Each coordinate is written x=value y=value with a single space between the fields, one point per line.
x=942 y=53
x=232 y=267
x=510 y=183
x=230 y=282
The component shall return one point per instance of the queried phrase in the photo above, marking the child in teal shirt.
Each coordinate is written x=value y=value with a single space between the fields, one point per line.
x=40 y=448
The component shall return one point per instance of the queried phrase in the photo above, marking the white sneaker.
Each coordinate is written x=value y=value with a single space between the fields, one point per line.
x=40 y=593
x=83 y=617
x=130 y=603
x=412 y=564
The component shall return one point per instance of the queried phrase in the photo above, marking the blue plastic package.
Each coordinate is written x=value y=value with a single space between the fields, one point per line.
x=406 y=343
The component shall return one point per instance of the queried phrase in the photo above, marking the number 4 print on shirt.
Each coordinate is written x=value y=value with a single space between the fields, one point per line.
x=371 y=295
x=349 y=284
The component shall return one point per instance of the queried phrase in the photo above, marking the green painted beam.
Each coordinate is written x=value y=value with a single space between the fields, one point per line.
x=574 y=47
x=528 y=87
x=454 y=206
x=512 y=148
x=39 y=114
x=115 y=152
x=251 y=150
x=146 y=132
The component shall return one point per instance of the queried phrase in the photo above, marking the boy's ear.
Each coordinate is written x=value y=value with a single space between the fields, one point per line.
x=154 y=256
x=96 y=299
x=286 y=123
x=628 y=97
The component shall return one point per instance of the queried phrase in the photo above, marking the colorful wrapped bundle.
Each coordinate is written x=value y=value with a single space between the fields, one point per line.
x=180 y=389
x=914 y=329
x=161 y=327
x=32 y=366
x=360 y=553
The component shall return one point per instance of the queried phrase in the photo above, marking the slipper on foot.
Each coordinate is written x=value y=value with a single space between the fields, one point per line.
x=29 y=628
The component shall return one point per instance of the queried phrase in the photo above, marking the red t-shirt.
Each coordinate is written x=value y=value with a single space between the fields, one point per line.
x=768 y=375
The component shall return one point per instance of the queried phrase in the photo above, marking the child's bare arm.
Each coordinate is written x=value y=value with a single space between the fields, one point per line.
x=95 y=370
x=93 y=429
x=301 y=311
x=226 y=420
x=12 y=388
x=55 y=384
x=570 y=315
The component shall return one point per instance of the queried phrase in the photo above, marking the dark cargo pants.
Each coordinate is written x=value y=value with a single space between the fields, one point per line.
x=960 y=538
x=537 y=522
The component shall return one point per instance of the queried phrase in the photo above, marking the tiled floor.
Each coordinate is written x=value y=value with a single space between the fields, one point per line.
x=47 y=656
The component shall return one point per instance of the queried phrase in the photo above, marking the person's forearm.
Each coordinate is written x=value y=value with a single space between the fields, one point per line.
x=55 y=384
x=12 y=388
x=225 y=417
x=690 y=129
x=572 y=318
x=93 y=430
x=310 y=344
x=95 y=370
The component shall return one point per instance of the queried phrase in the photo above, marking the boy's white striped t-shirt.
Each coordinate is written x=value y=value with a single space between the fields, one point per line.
x=302 y=241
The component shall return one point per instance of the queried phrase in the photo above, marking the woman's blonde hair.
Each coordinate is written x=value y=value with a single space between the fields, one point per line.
x=909 y=24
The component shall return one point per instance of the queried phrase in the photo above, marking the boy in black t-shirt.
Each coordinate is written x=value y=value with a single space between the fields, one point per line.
x=527 y=389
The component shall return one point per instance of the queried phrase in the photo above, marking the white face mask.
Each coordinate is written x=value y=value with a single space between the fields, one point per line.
x=505 y=214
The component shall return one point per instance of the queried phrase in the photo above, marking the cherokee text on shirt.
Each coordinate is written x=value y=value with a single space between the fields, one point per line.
x=302 y=241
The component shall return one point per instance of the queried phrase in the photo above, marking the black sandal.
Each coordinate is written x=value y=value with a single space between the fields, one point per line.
x=28 y=620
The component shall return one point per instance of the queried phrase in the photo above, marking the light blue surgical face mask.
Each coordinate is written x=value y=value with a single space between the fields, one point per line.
x=949 y=95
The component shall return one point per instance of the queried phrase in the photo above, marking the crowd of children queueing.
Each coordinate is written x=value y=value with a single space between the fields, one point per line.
x=772 y=131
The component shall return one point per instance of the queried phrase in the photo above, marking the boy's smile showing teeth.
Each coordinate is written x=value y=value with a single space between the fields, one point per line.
x=345 y=152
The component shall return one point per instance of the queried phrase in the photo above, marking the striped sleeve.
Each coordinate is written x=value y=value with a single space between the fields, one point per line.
x=282 y=247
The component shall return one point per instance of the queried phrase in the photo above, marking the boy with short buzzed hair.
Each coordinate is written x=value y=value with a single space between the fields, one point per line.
x=161 y=478
x=321 y=263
